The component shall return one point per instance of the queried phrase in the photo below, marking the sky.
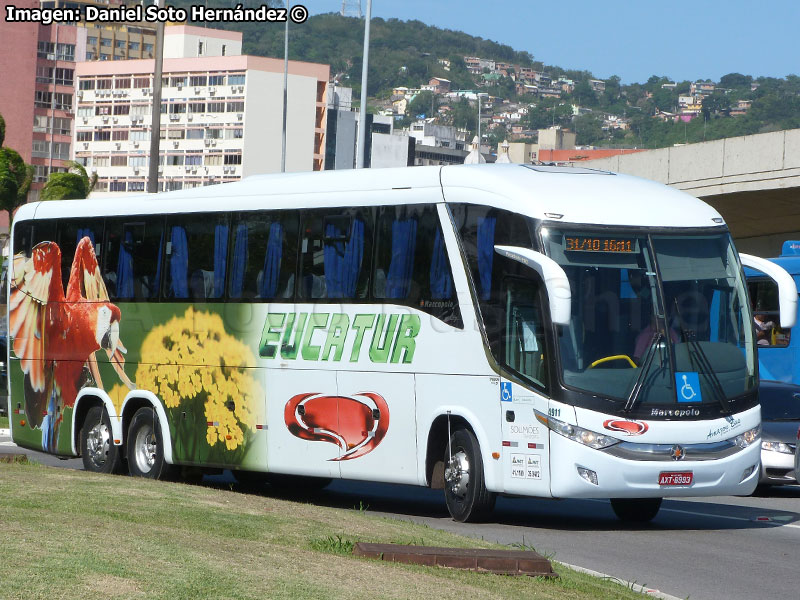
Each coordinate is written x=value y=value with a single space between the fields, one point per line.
x=633 y=39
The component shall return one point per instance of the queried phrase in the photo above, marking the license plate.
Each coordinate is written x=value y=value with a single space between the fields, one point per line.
x=682 y=478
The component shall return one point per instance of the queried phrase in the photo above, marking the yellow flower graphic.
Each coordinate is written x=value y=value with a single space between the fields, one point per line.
x=191 y=358
x=117 y=395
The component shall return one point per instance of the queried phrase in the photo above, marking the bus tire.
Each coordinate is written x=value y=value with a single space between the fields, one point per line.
x=145 y=447
x=464 y=481
x=636 y=510
x=98 y=451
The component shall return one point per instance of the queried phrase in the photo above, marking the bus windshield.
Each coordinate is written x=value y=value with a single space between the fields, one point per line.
x=656 y=319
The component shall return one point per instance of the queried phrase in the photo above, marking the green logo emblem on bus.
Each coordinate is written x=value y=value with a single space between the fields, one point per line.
x=384 y=338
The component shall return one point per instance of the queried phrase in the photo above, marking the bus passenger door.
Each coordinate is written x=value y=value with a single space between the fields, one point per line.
x=378 y=426
x=303 y=411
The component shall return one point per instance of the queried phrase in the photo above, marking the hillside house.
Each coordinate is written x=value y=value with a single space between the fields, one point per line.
x=439 y=85
x=598 y=85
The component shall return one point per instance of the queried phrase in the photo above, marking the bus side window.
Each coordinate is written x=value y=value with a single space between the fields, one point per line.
x=336 y=253
x=72 y=231
x=411 y=262
x=134 y=249
x=23 y=233
x=263 y=256
x=507 y=292
x=766 y=314
x=196 y=257
x=523 y=334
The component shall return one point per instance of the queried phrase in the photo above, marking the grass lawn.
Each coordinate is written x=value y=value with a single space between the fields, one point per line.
x=3 y=422
x=72 y=534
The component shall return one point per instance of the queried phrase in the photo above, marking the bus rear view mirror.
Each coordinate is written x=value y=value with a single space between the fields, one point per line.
x=555 y=279
x=787 y=290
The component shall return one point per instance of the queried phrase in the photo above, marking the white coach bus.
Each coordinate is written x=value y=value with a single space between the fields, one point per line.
x=494 y=329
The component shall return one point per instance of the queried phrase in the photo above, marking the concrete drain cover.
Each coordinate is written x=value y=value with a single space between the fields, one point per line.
x=504 y=562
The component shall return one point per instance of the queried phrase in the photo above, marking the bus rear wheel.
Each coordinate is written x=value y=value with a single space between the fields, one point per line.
x=464 y=483
x=636 y=510
x=145 y=446
x=98 y=451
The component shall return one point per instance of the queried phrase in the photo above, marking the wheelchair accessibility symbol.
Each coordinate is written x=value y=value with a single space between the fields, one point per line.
x=688 y=384
x=505 y=391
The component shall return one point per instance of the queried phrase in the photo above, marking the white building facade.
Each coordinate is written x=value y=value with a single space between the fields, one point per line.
x=221 y=116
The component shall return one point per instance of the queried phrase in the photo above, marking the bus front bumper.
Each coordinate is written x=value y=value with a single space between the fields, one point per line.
x=572 y=465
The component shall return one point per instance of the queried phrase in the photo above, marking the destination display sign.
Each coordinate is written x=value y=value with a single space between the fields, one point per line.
x=586 y=243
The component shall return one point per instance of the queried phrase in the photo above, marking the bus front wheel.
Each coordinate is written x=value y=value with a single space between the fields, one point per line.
x=464 y=483
x=636 y=510
x=145 y=449
x=98 y=451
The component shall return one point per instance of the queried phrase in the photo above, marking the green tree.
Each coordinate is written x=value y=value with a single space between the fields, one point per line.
x=75 y=184
x=465 y=115
x=735 y=81
x=15 y=177
x=715 y=104
x=583 y=93
x=423 y=103
x=589 y=129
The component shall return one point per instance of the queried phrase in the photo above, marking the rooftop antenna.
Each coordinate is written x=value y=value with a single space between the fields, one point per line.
x=351 y=8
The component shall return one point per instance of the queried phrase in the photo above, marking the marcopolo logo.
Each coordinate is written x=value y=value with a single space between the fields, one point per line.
x=384 y=338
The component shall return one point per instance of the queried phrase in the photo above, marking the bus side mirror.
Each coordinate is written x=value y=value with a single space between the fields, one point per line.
x=787 y=290
x=555 y=279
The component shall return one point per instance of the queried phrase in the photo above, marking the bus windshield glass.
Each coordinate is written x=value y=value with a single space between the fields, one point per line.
x=656 y=319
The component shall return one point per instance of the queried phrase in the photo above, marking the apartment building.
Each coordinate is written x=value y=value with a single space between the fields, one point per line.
x=37 y=68
x=39 y=106
x=428 y=133
x=221 y=114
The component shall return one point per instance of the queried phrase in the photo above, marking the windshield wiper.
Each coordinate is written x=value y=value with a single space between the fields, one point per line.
x=705 y=366
x=633 y=398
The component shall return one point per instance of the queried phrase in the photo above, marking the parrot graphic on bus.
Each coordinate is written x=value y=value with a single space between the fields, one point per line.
x=56 y=334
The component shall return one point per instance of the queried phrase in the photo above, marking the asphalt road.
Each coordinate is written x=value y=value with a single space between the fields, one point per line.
x=703 y=549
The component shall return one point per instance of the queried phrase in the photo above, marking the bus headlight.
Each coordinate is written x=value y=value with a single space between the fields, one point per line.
x=743 y=440
x=578 y=434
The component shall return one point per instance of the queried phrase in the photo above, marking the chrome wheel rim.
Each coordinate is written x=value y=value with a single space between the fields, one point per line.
x=98 y=444
x=145 y=447
x=456 y=474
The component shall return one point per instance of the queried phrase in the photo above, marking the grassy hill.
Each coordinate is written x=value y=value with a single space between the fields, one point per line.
x=407 y=53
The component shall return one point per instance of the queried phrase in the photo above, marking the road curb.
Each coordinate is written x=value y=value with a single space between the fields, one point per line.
x=631 y=585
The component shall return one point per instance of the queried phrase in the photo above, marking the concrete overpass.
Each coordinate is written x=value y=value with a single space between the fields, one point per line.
x=753 y=181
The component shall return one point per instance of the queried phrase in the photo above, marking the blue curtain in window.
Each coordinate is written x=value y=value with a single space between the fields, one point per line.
x=220 y=259
x=179 y=263
x=404 y=244
x=486 y=254
x=332 y=255
x=239 y=261
x=441 y=282
x=125 y=269
x=342 y=260
x=82 y=233
x=157 y=281
x=353 y=255
x=272 y=262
